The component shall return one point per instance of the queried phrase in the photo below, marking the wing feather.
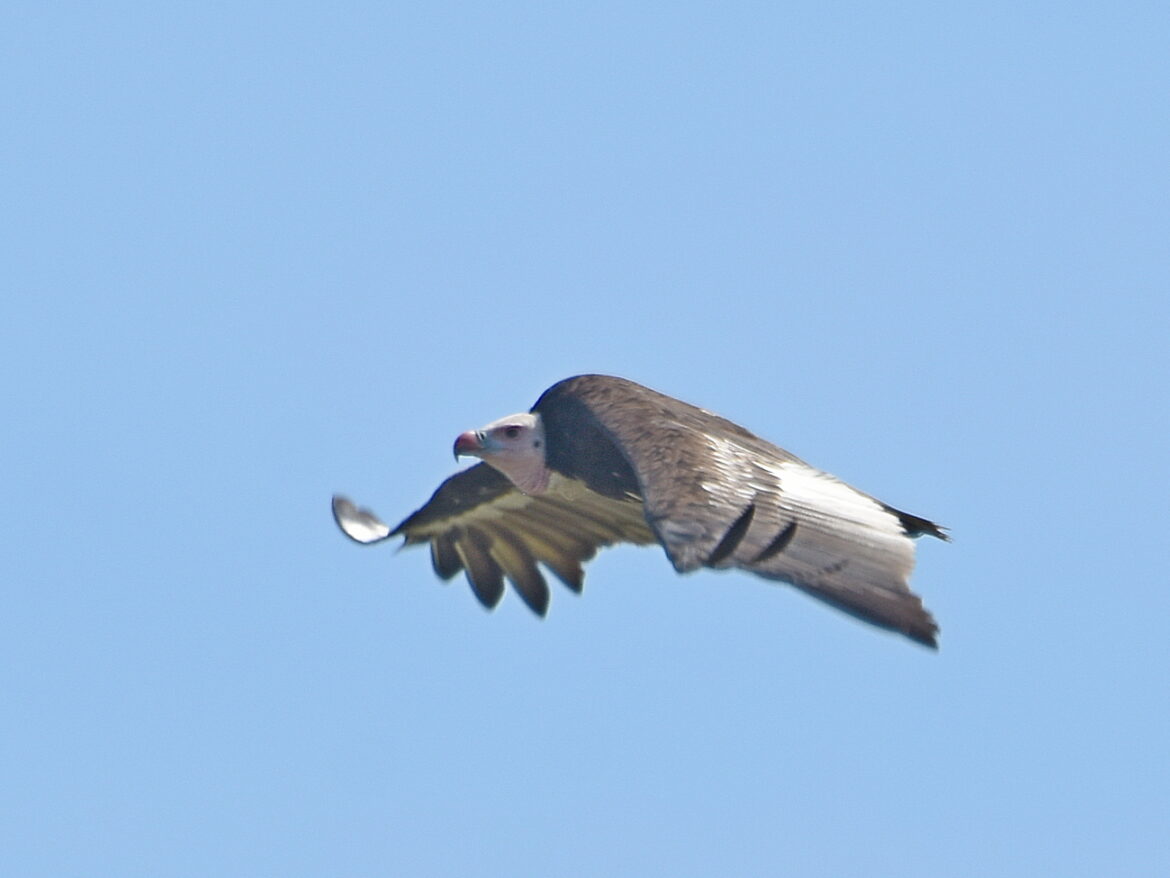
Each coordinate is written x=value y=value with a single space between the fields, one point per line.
x=483 y=573
x=553 y=530
x=444 y=557
x=479 y=524
x=512 y=554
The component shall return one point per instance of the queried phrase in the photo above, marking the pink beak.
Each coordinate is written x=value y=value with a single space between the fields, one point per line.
x=467 y=443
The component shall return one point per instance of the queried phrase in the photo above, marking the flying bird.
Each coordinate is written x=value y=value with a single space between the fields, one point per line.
x=601 y=460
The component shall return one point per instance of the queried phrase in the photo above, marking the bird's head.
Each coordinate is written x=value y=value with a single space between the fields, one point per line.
x=514 y=445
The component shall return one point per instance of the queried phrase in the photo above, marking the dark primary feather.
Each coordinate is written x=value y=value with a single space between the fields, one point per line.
x=917 y=527
x=635 y=465
x=484 y=574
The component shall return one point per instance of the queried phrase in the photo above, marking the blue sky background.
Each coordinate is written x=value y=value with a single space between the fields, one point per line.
x=254 y=255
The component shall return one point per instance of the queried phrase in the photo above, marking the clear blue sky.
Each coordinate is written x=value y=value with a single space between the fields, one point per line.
x=254 y=255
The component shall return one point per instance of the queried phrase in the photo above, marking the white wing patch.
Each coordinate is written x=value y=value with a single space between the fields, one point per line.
x=821 y=496
x=837 y=531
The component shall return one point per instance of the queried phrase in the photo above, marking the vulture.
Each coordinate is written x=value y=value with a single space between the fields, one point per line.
x=600 y=460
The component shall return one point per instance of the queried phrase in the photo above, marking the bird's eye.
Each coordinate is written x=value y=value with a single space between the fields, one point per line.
x=512 y=432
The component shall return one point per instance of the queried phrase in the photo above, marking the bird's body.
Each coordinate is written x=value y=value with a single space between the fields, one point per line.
x=601 y=460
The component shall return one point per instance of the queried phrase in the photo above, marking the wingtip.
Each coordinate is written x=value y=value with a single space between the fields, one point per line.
x=489 y=594
x=930 y=641
x=924 y=635
x=541 y=610
x=534 y=592
x=916 y=526
x=360 y=525
x=937 y=530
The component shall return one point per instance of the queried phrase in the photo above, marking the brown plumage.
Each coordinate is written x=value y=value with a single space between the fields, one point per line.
x=603 y=460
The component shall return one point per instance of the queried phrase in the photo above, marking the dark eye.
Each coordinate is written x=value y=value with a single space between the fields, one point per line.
x=512 y=432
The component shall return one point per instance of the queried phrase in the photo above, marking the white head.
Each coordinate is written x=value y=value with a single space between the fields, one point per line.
x=514 y=445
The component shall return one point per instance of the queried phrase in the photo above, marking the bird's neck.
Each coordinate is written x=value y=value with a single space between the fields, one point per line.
x=534 y=480
x=529 y=474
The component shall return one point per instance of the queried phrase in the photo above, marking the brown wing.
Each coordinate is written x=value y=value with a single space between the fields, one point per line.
x=479 y=523
x=718 y=496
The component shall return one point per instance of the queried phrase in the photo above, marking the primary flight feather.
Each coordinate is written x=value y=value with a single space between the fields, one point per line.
x=601 y=460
